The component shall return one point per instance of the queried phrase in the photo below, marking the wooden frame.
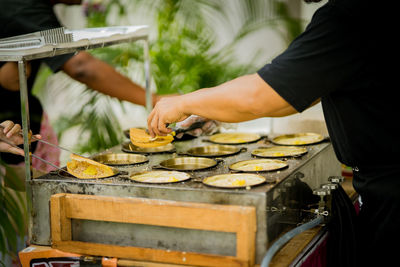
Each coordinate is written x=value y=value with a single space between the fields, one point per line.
x=222 y=218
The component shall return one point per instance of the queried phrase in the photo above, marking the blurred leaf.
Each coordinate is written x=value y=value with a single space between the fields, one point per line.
x=13 y=212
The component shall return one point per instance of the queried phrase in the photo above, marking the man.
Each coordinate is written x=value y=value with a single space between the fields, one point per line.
x=343 y=59
x=26 y=16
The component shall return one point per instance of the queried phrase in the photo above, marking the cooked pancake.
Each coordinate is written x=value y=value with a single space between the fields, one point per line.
x=140 y=138
x=84 y=168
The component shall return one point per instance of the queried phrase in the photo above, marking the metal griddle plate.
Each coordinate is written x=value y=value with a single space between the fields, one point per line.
x=234 y=138
x=128 y=147
x=214 y=151
x=258 y=165
x=187 y=164
x=160 y=177
x=120 y=159
x=298 y=139
x=234 y=180
x=279 y=151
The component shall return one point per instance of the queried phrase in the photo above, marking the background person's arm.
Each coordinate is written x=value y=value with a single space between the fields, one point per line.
x=100 y=76
x=9 y=76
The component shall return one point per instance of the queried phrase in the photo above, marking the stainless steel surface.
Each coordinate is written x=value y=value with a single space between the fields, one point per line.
x=279 y=205
x=49 y=50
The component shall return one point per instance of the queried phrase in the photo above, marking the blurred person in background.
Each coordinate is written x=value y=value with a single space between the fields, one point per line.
x=26 y=16
x=343 y=59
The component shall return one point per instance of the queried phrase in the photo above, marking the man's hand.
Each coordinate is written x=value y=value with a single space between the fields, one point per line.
x=166 y=111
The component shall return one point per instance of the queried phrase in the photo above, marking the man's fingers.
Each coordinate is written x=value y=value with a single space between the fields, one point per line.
x=153 y=126
x=162 y=127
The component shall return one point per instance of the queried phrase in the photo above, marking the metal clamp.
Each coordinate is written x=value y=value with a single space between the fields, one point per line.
x=336 y=179
x=321 y=212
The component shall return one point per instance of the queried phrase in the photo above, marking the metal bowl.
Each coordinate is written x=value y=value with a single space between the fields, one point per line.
x=258 y=165
x=214 y=151
x=128 y=147
x=188 y=164
x=120 y=159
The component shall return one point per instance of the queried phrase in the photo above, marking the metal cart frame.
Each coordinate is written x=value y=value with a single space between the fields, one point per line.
x=50 y=50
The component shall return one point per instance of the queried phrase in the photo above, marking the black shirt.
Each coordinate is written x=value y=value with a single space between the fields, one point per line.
x=21 y=17
x=345 y=58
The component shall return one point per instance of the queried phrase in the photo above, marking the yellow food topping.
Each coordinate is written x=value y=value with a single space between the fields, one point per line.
x=91 y=170
x=277 y=154
x=240 y=182
x=173 y=179
x=257 y=168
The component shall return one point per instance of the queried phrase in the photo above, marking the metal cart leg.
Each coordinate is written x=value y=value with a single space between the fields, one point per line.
x=27 y=138
x=25 y=118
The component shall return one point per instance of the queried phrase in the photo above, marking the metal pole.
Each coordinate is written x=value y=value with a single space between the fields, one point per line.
x=25 y=118
x=149 y=100
x=23 y=88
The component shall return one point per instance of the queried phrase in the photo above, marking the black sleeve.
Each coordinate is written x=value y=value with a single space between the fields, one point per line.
x=317 y=62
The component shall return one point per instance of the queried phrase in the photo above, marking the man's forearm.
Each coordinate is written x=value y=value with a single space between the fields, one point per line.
x=241 y=99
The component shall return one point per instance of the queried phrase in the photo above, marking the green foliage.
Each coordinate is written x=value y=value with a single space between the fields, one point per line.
x=96 y=122
x=13 y=212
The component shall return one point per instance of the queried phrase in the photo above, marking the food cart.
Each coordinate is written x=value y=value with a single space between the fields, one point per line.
x=184 y=221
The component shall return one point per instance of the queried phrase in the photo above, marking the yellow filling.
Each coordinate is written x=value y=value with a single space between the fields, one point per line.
x=240 y=182
x=91 y=170
x=257 y=168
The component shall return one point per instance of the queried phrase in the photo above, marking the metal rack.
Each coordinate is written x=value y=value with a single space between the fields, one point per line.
x=54 y=42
